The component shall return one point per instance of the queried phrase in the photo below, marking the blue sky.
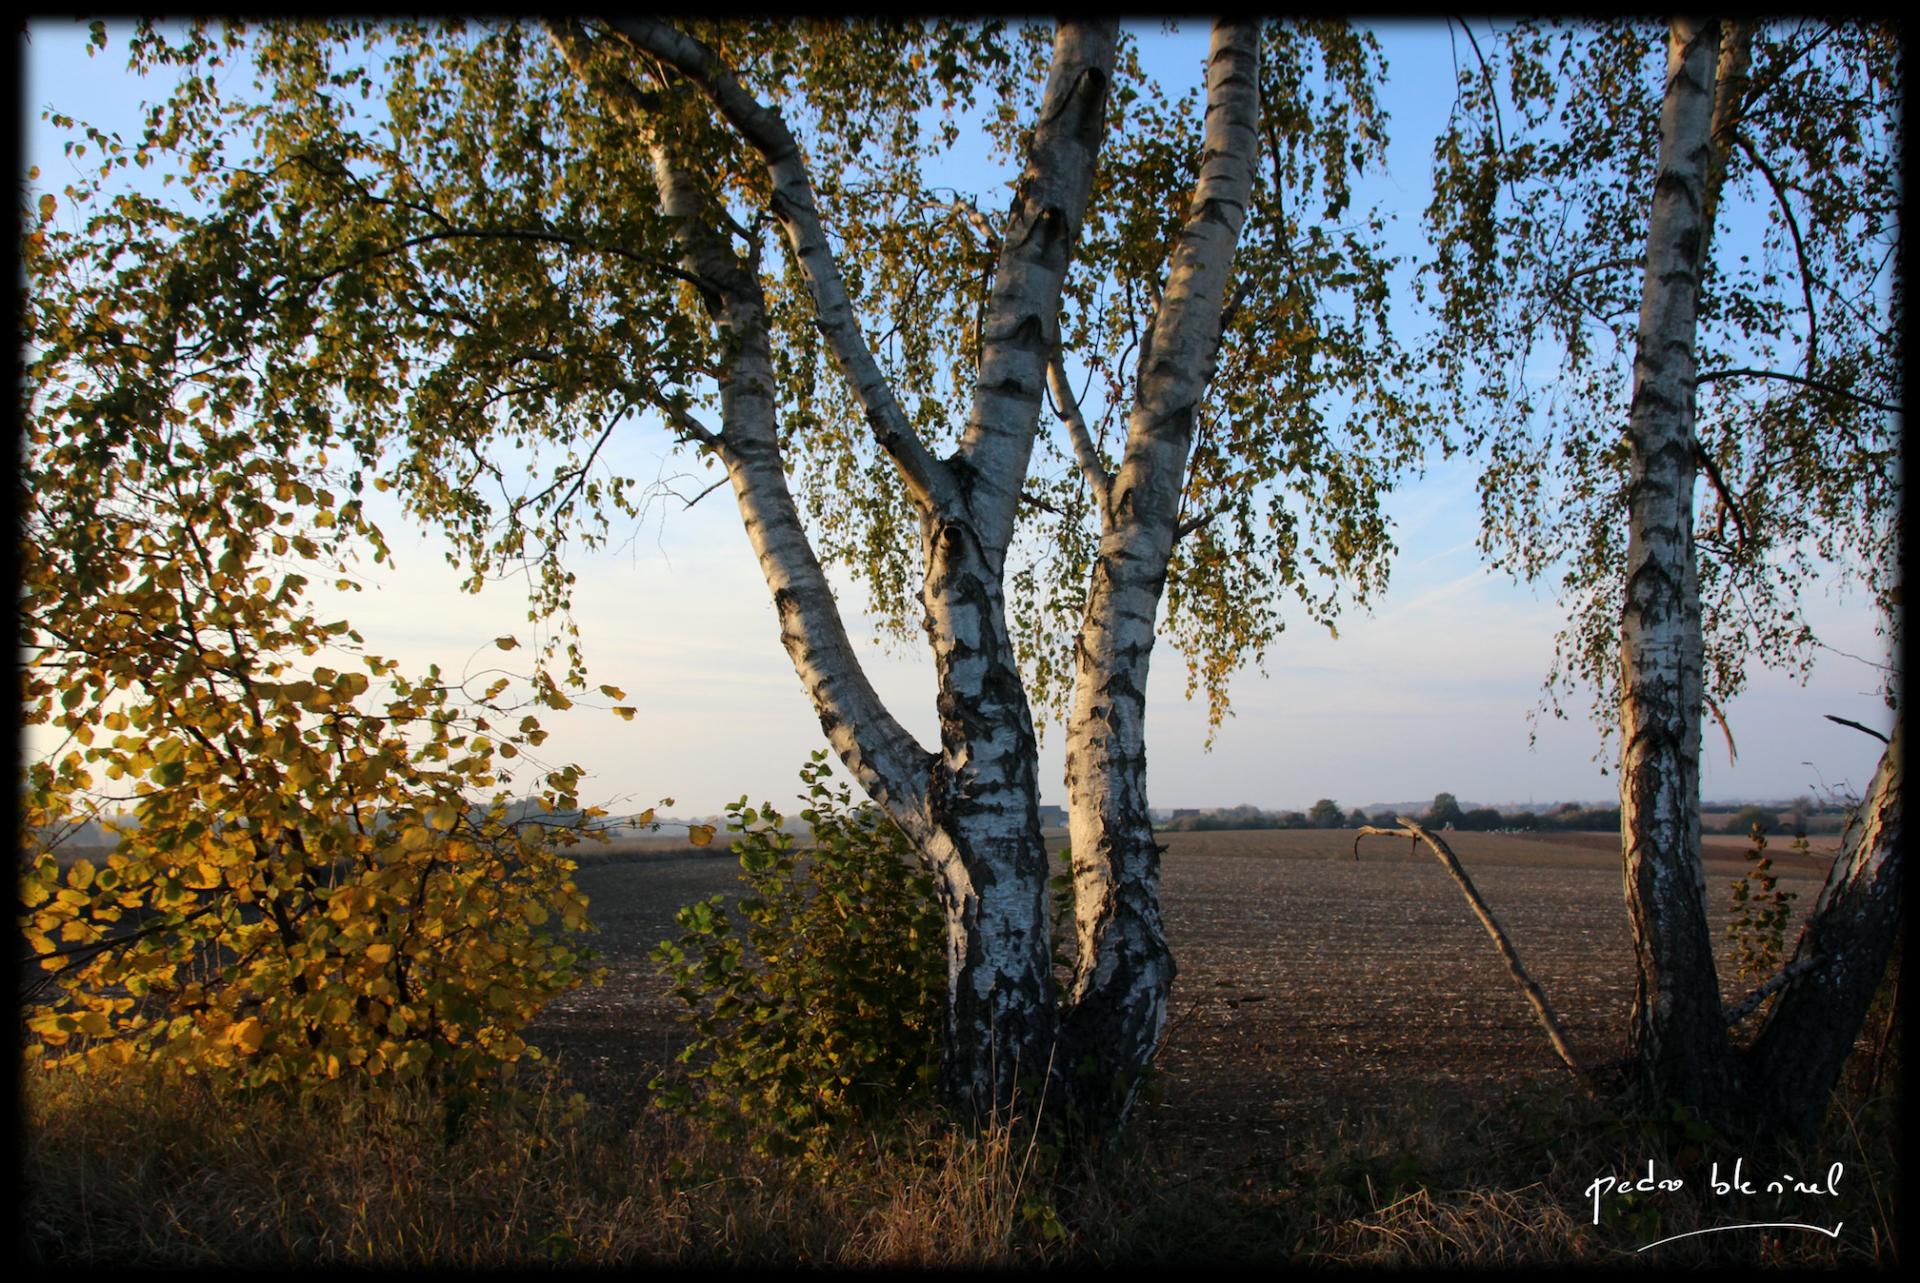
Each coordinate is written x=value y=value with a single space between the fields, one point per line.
x=1431 y=691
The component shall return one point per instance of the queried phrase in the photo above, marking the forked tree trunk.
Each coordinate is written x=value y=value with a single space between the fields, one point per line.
x=1678 y=1035
x=972 y=807
x=1123 y=968
x=1797 y=1057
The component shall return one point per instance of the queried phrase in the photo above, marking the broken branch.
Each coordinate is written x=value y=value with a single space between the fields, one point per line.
x=1535 y=995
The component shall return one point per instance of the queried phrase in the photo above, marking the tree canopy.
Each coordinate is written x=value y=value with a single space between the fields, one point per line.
x=1538 y=221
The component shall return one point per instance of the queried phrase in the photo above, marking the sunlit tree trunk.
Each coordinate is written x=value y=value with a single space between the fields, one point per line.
x=1678 y=1035
x=1123 y=967
x=1797 y=1058
x=972 y=807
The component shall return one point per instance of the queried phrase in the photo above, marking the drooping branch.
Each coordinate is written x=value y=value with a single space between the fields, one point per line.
x=1799 y=244
x=1827 y=389
x=1535 y=995
x=1728 y=504
x=794 y=206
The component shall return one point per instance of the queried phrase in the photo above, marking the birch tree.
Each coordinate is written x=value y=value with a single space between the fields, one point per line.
x=1770 y=383
x=464 y=256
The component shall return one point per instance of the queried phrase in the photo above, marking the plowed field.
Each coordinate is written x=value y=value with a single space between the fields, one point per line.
x=1311 y=982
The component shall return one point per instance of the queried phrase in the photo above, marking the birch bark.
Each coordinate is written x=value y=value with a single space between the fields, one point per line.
x=1678 y=1036
x=1123 y=968
x=972 y=808
x=1798 y=1055
x=984 y=794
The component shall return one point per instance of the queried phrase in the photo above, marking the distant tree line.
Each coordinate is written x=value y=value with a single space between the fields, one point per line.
x=1798 y=819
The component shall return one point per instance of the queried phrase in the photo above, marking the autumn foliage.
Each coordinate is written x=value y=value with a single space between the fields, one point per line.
x=301 y=889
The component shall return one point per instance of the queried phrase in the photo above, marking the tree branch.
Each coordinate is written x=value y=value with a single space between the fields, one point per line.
x=1856 y=726
x=1192 y=524
x=1751 y=1003
x=1535 y=995
x=1067 y=406
x=1715 y=376
x=1799 y=246
x=882 y=755
x=1727 y=501
x=794 y=206
x=1021 y=328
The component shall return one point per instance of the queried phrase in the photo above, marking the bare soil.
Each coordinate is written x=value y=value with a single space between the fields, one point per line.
x=1312 y=982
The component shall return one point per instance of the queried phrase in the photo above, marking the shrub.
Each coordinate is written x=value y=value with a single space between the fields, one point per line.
x=826 y=1004
x=1761 y=910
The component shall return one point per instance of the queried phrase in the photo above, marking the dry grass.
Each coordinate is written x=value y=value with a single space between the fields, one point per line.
x=1248 y=1156
x=152 y=1172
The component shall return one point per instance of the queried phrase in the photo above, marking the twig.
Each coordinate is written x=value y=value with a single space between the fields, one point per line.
x=1714 y=376
x=1856 y=726
x=1728 y=504
x=1542 y=1008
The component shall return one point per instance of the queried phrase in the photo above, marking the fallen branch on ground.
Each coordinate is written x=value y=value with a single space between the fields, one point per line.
x=1542 y=1008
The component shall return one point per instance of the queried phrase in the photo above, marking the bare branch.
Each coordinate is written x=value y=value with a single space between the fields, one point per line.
x=1726 y=730
x=1856 y=726
x=1067 y=406
x=1799 y=246
x=1538 y=998
x=1751 y=1003
x=688 y=503
x=1714 y=376
x=1727 y=502
x=1192 y=524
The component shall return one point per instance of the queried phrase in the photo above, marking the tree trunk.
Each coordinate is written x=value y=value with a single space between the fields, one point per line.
x=1124 y=969
x=1678 y=1035
x=991 y=862
x=1797 y=1058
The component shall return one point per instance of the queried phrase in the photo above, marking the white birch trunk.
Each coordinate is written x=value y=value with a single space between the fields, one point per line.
x=984 y=795
x=1798 y=1055
x=1124 y=969
x=1678 y=1037
x=972 y=808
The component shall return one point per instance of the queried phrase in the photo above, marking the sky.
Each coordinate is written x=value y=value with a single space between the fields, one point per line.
x=1430 y=691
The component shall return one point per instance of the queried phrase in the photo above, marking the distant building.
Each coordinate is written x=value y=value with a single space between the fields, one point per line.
x=1053 y=817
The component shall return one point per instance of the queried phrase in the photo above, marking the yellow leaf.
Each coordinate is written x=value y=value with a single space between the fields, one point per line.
x=624 y=713
x=248 y=1035
x=506 y=643
x=700 y=834
x=613 y=692
x=379 y=954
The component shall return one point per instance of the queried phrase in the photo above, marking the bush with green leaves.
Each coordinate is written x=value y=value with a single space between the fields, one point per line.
x=818 y=997
x=1761 y=911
